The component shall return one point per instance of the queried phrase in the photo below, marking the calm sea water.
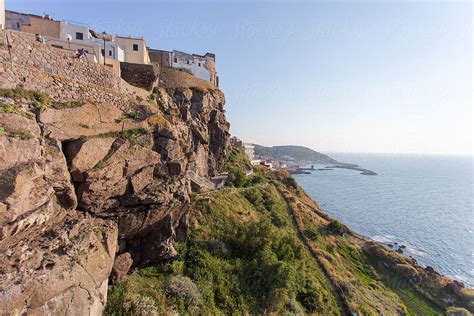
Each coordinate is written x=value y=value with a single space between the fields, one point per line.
x=423 y=202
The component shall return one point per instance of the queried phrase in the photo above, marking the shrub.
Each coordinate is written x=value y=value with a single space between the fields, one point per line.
x=237 y=178
x=217 y=247
x=59 y=105
x=7 y=108
x=311 y=233
x=336 y=227
x=255 y=197
x=278 y=219
x=293 y=307
x=309 y=297
x=134 y=115
x=19 y=93
x=291 y=182
x=141 y=305
x=235 y=163
x=23 y=134
x=183 y=289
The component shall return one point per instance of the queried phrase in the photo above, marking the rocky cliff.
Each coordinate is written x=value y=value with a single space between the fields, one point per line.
x=89 y=189
x=97 y=188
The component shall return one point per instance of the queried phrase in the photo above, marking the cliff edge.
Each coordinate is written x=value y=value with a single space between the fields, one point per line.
x=94 y=176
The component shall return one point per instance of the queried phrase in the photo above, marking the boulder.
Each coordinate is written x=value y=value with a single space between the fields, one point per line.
x=85 y=154
x=122 y=264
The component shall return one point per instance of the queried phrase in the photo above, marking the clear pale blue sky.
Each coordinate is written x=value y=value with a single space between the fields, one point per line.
x=351 y=76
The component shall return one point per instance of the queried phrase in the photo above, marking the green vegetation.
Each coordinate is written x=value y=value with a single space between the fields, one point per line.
x=131 y=135
x=336 y=227
x=259 y=248
x=238 y=258
x=41 y=100
x=156 y=95
x=236 y=164
x=21 y=133
x=7 y=108
x=19 y=93
x=135 y=115
x=59 y=105
x=241 y=257
x=13 y=109
x=311 y=233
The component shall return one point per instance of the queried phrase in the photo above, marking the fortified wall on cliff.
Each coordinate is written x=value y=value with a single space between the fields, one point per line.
x=95 y=175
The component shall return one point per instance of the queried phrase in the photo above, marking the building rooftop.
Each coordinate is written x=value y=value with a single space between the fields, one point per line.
x=130 y=37
x=45 y=16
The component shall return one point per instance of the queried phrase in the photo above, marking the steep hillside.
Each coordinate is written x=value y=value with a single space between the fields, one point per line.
x=298 y=154
x=263 y=247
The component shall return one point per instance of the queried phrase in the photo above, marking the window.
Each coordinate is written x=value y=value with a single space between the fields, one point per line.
x=110 y=53
x=79 y=36
x=135 y=47
x=103 y=52
x=199 y=64
x=175 y=60
x=18 y=25
x=187 y=62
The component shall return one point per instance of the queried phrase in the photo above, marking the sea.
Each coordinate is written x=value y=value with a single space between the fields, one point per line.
x=424 y=202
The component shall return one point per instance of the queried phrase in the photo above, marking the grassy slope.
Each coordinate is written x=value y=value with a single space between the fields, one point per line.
x=261 y=246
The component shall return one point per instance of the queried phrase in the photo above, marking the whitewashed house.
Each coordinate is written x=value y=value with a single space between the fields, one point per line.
x=249 y=149
x=79 y=33
x=201 y=66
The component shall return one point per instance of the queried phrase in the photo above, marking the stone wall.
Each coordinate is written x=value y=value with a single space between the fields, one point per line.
x=61 y=88
x=70 y=78
x=140 y=75
x=21 y=49
x=172 y=77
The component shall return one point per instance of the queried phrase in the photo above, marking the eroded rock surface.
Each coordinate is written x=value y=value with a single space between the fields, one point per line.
x=92 y=189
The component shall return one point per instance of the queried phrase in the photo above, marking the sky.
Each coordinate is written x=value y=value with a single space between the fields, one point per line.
x=336 y=76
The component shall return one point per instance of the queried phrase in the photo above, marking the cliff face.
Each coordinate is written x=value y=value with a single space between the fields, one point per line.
x=86 y=184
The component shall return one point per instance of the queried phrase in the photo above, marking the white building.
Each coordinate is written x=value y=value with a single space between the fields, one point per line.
x=249 y=151
x=203 y=67
x=200 y=66
x=78 y=33
x=2 y=14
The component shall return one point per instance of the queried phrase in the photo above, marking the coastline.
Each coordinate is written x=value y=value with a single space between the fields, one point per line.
x=422 y=201
x=398 y=248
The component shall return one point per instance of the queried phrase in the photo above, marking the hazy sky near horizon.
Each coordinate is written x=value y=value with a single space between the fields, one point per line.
x=350 y=76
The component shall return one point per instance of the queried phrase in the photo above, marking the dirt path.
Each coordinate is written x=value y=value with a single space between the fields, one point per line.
x=341 y=302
